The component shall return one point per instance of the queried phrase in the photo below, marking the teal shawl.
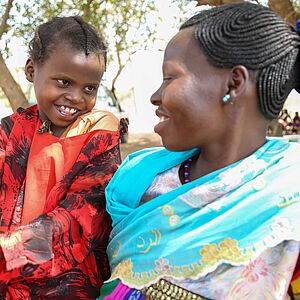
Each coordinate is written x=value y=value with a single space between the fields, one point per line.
x=229 y=216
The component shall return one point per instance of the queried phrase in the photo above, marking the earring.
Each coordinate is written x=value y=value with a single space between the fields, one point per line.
x=226 y=98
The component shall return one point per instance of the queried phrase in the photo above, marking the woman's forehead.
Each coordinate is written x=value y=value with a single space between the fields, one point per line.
x=183 y=48
x=182 y=43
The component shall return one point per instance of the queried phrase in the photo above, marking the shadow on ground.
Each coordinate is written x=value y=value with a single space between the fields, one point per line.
x=139 y=141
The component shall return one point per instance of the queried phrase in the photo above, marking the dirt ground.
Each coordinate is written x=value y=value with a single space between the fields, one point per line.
x=137 y=141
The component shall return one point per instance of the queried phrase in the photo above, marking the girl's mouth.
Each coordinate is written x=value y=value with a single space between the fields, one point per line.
x=66 y=111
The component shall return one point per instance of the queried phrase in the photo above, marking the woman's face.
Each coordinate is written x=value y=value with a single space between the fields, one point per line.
x=189 y=100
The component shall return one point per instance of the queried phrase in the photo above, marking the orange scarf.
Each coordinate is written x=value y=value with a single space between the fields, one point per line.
x=52 y=157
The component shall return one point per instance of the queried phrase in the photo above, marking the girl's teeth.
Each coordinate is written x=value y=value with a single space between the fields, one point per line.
x=68 y=109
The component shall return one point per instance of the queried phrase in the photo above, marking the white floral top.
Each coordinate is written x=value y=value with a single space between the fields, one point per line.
x=268 y=277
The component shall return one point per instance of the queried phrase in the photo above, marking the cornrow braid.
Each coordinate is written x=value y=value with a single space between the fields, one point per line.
x=255 y=37
x=272 y=85
x=78 y=20
x=90 y=43
x=72 y=30
x=36 y=43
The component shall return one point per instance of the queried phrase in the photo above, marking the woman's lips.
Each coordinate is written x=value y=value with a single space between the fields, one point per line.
x=162 y=116
x=163 y=119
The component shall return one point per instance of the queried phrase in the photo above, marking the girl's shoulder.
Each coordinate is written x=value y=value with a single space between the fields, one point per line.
x=26 y=116
x=103 y=120
x=91 y=121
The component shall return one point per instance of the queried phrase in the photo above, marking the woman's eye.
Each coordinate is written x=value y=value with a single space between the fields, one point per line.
x=63 y=82
x=167 y=78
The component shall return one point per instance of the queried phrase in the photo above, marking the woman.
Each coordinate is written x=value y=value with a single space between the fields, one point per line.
x=215 y=215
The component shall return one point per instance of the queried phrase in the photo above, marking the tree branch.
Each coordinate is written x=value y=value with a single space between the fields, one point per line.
x=121 y=67
x=285 y=9
x=5 y=17
x=217 y=2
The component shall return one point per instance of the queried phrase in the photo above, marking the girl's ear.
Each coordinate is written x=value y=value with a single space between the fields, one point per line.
x=29 y=70
x=238 y=81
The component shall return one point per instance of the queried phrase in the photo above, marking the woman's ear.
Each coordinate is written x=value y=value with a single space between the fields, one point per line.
x=238 y=81
x=29 y=70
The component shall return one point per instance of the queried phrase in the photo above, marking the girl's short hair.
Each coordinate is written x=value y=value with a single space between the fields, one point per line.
x=72 y=30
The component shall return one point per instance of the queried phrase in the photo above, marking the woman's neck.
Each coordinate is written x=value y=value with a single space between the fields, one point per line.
x=227 y=151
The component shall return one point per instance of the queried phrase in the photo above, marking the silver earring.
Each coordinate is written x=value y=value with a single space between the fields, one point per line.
x=226 y=98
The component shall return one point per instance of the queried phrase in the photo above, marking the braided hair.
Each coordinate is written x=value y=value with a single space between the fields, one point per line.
x=253 y=36
x=73 y=30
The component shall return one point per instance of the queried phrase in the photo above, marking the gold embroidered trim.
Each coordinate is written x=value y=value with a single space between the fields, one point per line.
x=212 y=255
x=227 y=250
x=145 y=246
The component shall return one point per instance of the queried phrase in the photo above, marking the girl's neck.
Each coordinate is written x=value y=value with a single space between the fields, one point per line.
x=48 y=126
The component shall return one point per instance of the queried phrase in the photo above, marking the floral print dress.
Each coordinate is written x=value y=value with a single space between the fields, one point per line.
x=267 y=277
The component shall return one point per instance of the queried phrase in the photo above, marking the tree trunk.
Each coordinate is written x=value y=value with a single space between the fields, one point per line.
x=8 y=84
x=283 y=7
x=11 y=88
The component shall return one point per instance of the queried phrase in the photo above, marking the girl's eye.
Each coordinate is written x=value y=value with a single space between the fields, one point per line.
x=90 y=89
x=167 y=78
x=63 y=82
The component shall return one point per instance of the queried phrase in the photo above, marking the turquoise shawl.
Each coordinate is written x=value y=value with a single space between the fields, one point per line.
x=229 y=216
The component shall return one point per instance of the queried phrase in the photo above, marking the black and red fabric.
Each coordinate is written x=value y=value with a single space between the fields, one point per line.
x=61 y=253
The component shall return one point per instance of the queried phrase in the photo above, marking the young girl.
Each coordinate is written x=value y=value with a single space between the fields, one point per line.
x=215 y=215
x=56 y=159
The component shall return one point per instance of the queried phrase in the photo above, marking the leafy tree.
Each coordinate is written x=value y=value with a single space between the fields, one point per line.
x=8 y=84
x=125 y=21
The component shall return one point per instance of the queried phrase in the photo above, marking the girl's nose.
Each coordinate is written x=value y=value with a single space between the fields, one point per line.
x=74 y=96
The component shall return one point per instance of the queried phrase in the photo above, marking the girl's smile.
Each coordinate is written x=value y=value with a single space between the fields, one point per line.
x=65 y=84
x=66 y=112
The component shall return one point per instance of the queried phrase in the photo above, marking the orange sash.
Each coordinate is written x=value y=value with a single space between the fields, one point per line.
x=52 y=157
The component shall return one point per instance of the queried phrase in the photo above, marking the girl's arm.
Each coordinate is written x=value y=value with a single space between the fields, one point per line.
x=3 y=142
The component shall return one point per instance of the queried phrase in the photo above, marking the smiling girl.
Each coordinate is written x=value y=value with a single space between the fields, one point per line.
x=56 y=158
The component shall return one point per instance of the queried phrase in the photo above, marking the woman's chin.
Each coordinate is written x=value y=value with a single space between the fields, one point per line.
x=174 y=147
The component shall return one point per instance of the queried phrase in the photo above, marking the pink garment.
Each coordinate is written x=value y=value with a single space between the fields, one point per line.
x=119 y=292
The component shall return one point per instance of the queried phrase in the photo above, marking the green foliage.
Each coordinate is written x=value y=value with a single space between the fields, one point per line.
x=296 y=4
x=122 y=23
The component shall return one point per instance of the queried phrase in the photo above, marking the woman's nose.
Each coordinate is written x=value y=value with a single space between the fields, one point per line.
x=156 y=97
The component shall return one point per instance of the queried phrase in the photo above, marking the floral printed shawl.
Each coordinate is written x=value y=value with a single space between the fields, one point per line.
x=227 y=217
x=60 y=254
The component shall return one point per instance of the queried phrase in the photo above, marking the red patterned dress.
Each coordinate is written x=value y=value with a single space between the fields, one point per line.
x=53 y=223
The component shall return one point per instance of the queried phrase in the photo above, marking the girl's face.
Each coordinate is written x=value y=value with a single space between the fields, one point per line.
x=189 y=100
x=66 y=84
